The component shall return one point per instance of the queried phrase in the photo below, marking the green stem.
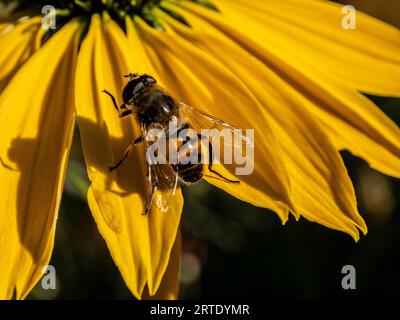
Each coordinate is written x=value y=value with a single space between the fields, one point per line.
x=83 y=5
x=63 y=12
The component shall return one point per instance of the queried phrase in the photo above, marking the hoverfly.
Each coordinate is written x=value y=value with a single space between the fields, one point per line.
x=155 y=108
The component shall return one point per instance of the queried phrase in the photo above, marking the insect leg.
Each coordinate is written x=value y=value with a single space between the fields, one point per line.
x=150 y=200
x=152 y=192
x=125 y=113
x=176 y=180
x=211 y=160
x=122 y=110
x=127 y=152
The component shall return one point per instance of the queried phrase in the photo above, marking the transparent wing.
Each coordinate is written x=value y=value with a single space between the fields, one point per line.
x=167 y=181
x=162 y=180
x=201 y=121
x=227 y=149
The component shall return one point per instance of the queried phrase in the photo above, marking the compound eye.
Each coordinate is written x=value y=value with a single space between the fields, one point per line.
x=138 y=87
x=150 y=80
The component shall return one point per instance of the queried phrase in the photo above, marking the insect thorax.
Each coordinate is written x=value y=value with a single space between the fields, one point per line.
x=156 y=107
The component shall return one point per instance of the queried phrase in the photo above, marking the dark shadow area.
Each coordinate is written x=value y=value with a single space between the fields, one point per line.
x=301 y=260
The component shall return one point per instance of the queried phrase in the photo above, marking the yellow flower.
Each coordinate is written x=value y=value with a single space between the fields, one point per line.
x=285 y=68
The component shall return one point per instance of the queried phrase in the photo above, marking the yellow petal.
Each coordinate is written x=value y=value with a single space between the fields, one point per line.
x=16 y=48
x=197 y=79
x=366 y=58
x=36 y=110
x=140 y=245
x=141 y=60
x=169 y=287
x=350 y=120
x=354 y=123
x=321 y=189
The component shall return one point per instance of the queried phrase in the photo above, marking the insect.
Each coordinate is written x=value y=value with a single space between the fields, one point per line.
x=155 y=108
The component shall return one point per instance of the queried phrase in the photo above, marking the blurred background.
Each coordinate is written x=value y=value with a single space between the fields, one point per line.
x=234 y=250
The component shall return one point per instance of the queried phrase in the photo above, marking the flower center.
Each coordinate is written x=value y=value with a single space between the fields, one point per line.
x=118 y=10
